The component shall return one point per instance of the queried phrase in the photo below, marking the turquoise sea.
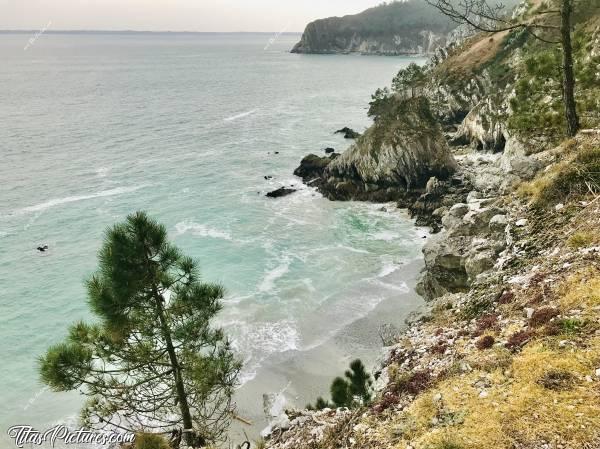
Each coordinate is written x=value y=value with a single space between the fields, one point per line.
x=186 y=127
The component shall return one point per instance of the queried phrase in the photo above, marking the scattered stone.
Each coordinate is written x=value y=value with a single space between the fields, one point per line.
x=498 y=223
x=521 y=223
x=281 y=192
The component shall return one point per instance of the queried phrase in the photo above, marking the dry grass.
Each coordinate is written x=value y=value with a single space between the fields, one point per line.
x=581 y=291
x=578 y=173
x=479 y=50
x=519 y=410
x=583 y=239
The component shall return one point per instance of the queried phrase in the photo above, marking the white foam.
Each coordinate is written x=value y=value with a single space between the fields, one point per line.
x=102 y=172
x=257 y=341
x=72 y=199
x=201 y=230
x=268 y=282
x=387 y=269
x=239 y=116
x=401 y=287
x=386 y=236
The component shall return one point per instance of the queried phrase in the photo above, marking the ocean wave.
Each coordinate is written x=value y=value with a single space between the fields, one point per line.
x=386 y=236
x=201 y=230
x=401 y=287
x=268 y=282
x=72 y=199
x=387 y=269
x=239 y=116
x=260 y=340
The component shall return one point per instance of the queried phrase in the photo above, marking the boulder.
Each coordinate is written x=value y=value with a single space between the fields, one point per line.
x=281 y=192
x=348 y=133
x=311 y=167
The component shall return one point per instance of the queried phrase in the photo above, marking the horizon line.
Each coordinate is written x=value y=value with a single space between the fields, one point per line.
x=23 y=31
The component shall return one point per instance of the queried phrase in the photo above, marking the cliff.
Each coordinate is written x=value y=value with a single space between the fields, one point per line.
x=392 y=161
x=507 y=354
x=398 y=28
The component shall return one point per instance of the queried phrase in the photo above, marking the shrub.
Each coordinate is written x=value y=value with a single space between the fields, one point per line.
x=485 y=342
x=507 y=297
x=414 y=383
x=487 y=322
x=557 y=379
x=519 y=339
x=570 y=325
x=476 y=308
x=543 y=316
x=387 y=401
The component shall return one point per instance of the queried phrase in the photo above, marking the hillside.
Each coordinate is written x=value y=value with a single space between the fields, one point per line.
x=398 y=28
x=507 y=355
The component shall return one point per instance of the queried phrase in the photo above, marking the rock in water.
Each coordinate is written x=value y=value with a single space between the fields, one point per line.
x=329 y=150
x=311 y=167
x=281 y=192
x=348 y=133
x=392 y=161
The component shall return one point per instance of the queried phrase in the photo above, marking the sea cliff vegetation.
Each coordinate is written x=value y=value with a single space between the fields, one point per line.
x=393 y=28
x=508 y=354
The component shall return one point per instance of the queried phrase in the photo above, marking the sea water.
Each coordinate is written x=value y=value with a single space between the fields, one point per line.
x=187 y=127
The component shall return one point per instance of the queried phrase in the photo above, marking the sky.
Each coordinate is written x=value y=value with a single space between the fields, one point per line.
x=173 y=15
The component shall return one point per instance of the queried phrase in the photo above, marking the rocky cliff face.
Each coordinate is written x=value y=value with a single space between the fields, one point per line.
x=399 y=28
x=391 y=161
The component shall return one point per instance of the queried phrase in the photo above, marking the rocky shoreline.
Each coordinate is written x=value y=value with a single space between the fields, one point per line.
x=512 y=282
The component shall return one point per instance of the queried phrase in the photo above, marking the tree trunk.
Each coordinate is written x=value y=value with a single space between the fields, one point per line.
x=184 y=407
x=571 y=116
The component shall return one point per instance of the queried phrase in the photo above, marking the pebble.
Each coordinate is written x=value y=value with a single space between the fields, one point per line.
x=522 y=223
x=598 y=373
x=483 y=394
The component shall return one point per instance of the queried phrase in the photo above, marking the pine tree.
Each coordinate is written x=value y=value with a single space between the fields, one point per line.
x=152 y=361
x=359 y=382
x=340 y=393
x=555 y=17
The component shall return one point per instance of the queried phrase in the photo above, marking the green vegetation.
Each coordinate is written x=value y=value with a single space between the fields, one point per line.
x=537 y=107
x=581 y=239
x=152 y=359
x=406 y=20
x=353 y=391
x=410 y=81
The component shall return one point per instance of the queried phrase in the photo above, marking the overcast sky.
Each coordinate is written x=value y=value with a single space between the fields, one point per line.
x=173 y=15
